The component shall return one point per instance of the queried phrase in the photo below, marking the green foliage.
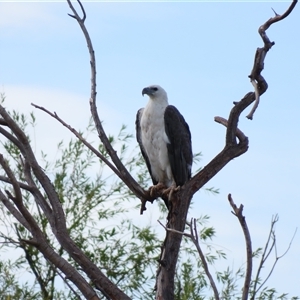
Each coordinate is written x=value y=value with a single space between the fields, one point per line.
x=96 y=204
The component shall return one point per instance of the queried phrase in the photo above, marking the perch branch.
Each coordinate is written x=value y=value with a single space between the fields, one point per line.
x=238 y=212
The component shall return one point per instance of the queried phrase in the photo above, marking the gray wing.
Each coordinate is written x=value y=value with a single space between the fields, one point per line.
x=179 y=146
x=139 y=140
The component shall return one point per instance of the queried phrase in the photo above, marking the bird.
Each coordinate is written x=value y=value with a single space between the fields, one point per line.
x=165 y=140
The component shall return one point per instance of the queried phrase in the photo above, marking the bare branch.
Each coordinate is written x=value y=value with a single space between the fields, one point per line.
x=173 y=230
x=257 y=98
x=195 y=240
x=275 y=19
x=12 y=138
x=12 y=209
x=39 y=198
x=21 y=184
x=2 y=122
x=260 y=85
x=238 y=212
x=231 y=150
x=240 y=135
x=76 y=16
x=126 y=176
x=18 y=198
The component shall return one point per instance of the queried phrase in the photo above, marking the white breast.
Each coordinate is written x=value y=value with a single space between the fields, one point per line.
x=155 y=141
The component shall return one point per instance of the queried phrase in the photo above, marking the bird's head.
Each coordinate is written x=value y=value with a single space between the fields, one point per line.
x=155 y=92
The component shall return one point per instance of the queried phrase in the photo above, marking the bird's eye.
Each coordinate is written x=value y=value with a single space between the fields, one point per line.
x=155 y=89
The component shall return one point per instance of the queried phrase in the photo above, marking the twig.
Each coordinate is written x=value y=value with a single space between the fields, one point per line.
x=79 y=136
x=265 y=255
x=267 y=251
x=238 y=212
x=65 y=280
x=173 y=230
x=195 y=240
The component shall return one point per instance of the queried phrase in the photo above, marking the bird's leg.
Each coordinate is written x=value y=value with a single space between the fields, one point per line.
x=170 y=190
x=161 y=190
x=156 y=190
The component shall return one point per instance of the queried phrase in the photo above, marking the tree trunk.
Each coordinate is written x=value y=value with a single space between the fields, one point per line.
x=178 y=208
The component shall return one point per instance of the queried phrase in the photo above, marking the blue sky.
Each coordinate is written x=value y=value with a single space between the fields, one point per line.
x=201 y=53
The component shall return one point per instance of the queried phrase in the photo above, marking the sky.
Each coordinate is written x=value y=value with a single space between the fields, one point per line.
x=201 y=53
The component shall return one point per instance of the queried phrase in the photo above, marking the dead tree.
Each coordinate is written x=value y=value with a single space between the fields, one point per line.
x=236 y=144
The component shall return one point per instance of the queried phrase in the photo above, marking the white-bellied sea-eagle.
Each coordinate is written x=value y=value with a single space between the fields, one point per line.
x=165 y=139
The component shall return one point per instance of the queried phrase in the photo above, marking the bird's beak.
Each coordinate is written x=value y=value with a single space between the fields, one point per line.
x=146 y=91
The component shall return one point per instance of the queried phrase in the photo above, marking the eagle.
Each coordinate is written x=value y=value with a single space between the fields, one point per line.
x=165 y=140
